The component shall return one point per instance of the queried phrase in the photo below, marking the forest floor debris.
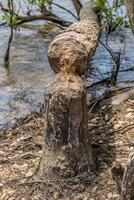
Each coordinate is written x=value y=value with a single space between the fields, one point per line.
x=112 y=130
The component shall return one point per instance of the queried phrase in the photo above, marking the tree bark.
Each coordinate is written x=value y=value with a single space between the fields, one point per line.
x=67 y=140
x=66 y=133
x=130 y=10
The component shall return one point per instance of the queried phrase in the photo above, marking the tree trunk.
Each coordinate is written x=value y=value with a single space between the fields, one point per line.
x=72 y=50
x=130 y=10
x=67 y=140
x=66 y=124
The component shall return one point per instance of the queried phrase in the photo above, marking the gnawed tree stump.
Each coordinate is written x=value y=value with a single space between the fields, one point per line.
x=67 y=141
x=66 y=134
x=124 y=178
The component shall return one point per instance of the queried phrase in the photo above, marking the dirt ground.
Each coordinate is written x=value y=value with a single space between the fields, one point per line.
x=111 y=128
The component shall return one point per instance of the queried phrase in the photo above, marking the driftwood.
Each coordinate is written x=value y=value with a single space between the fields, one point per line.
x=118 y=99
x=124 y=178
x=66 y=138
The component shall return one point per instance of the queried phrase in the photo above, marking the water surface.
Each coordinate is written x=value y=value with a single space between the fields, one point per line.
x=22 y=86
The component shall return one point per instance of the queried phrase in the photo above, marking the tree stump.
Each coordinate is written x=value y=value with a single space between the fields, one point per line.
x=66 y=135
x=67 y=141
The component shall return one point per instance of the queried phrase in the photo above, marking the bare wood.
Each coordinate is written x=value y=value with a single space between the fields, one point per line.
x=130 y=10
x=66 y=137
x=88 y=12
x=118 y=99
x=66 y=122
x=72 y=50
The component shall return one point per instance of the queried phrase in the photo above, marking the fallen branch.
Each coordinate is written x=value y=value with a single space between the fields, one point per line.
x=124 y=177
x=47 y=15
x=51 y=17
x=118 y=99
x=63 y=8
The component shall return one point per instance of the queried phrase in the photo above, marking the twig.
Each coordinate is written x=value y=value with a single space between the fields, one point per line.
x=47 y=15
x=117 y=61
x=77 y=4
x=59 y=6
x=109 y=50
x=50 y=17
x=123 y=129
x=2 y=24
x=105 y=80
x=3 y=9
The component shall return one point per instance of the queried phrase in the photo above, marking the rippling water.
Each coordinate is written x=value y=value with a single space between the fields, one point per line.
x=22 y=86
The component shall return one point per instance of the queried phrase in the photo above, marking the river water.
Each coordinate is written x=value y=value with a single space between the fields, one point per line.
x=22 y=86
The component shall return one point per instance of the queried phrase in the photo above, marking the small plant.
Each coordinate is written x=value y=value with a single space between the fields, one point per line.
x=10 y=16
x=111 y=15
x=42 y=4
x=11 y=20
